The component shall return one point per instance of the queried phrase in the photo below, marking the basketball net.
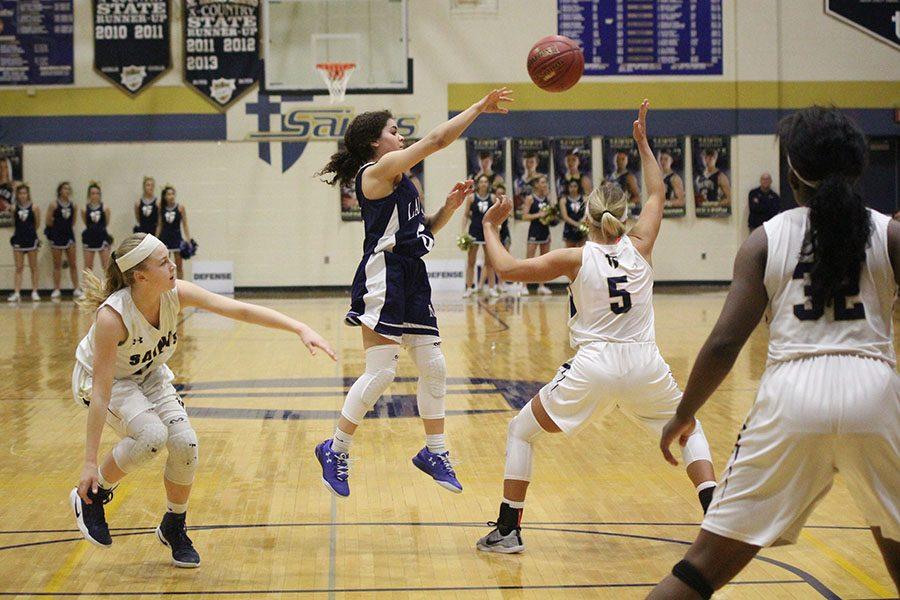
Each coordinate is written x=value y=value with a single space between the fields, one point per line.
x=336 y=76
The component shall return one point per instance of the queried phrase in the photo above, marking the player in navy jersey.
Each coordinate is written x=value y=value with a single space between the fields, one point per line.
x=61 y=233
x=391 y=297
x=172 y=217
x=146 y=208
x=625 y=179
x=572 y=209
x=477 y=204
x=711 y=187
x=24 y=241
x=537 y=206
x=95 y=239
x=673 y=181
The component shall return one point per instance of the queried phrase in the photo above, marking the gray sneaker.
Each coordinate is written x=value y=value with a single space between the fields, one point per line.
x=510 y=543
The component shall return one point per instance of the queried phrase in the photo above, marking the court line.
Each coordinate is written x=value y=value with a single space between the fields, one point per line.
x=848 y=565
x=487 y=308
x=807 y=578
x=459 y=588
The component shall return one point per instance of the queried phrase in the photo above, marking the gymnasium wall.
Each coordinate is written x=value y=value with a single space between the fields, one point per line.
x=282 y=227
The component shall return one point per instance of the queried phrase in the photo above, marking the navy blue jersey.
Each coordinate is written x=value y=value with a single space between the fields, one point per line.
x=148 y=216
x=94 y=236
x=25 y=232
x=477 y=208
x=670 y=189
x=575 y=207
x=395 y=223
x=537 y=231
x=170 y=233
x=60 y=234
x=707 y=187
x=621 y=180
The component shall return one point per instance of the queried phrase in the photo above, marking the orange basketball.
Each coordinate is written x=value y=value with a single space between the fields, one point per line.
x=555 y=63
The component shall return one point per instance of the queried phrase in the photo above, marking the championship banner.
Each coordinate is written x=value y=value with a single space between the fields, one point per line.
x=572 y=162
x=712 y=169
x=487 y=156
x=221 y=48
x=10 y=172
x=531 y=161
x=622 y=166
x=669 y=153
x=36 y=42
x=131 y=42
x=350 y=209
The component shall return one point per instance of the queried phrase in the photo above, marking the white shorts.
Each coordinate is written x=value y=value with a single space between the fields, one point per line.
x=813 y=417
x=603 y=375
x=129 y=397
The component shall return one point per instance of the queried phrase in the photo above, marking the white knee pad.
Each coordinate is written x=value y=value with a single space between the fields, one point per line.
x=146 y=439
x=432 y=384
x=183 y=454
x=523 y=430
x=381 y=367
x=697 y=448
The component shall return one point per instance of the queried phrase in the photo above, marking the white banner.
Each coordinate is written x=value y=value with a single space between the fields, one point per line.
x=214 y=275
x=447 y=275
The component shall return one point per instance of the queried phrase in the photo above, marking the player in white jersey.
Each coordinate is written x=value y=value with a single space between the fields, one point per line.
x=121 y=376
x=617 y=361
x=829 y=400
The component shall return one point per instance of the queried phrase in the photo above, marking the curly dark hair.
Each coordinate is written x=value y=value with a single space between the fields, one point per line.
x=827 y=149
x=364 y=129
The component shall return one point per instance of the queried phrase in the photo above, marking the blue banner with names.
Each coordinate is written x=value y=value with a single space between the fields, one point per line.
x=36 y=42
x=645 y=37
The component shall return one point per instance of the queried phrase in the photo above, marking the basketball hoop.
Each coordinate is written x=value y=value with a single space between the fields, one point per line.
x=336 y=76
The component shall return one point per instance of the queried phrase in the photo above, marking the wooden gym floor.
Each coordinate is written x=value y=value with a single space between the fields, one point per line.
x=606 y=517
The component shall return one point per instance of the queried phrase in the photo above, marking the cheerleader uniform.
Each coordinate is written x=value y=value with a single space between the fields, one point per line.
x=95 y=237
x=477 y=209
x=538 y=233
x=61 y=233
x=170 y=235
x=24 y=237
x=148 y=216
x=575 y=207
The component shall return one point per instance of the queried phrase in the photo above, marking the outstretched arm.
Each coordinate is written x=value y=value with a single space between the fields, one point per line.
x=644 y=233
x=565 y=261
x=744 y=306
x=190 y=294
x=393 y=164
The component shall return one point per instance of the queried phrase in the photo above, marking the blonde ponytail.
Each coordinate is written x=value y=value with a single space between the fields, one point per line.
x=607 y=205
x=97 y=290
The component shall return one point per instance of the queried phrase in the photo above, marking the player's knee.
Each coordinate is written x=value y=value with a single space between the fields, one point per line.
x=697 y=447
x=692 y=577
x=524 y=426
x=184 y=455
x=140 y=447
x=381 y=368
x=432 y=387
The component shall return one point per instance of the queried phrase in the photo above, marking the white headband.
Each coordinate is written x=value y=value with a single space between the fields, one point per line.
x=812 y=184
x=136 y=255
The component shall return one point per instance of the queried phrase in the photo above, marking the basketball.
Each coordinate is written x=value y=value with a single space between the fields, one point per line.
x=555 y=63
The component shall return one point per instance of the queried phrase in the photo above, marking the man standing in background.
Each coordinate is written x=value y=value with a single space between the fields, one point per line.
x=764 y=202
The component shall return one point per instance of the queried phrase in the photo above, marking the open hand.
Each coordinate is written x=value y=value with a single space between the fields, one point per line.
x=499 y=211
x=639 y=127
x=491 y=102
x=458 y=194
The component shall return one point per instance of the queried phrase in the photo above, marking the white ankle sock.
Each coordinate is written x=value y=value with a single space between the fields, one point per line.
x=514 y=504
x=436 y=443
x=178 y=509
x=341 y=441
x=705 y=485
x=103 y=482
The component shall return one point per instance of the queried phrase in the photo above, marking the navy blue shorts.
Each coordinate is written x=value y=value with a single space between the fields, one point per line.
x=391 y=295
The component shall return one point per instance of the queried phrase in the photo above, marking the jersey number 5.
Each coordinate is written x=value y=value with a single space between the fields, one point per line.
x=615 y=292
x=842 y=312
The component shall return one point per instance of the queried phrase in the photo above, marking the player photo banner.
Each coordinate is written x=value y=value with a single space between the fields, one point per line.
x=530 y=161
x=572 y=162
x=350 y=210
x=487 y=156
x=221 y=48
x=669 y=153
x=712 y=175
x=10 y=173
x=622 y=166
x=131 y=42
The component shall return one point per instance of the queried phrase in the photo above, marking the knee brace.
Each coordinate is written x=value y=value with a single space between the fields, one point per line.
x=146 y=437
x=523 y=430
x=183 y=454
x=432 y=385
x=381 y=367
x=696 y=448
x=691 y=576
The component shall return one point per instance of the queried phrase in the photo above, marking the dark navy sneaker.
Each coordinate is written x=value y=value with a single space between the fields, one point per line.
x=90 y=518
x=172 y=532
x=495 y=541
x=439 y=467
x=335 y=469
